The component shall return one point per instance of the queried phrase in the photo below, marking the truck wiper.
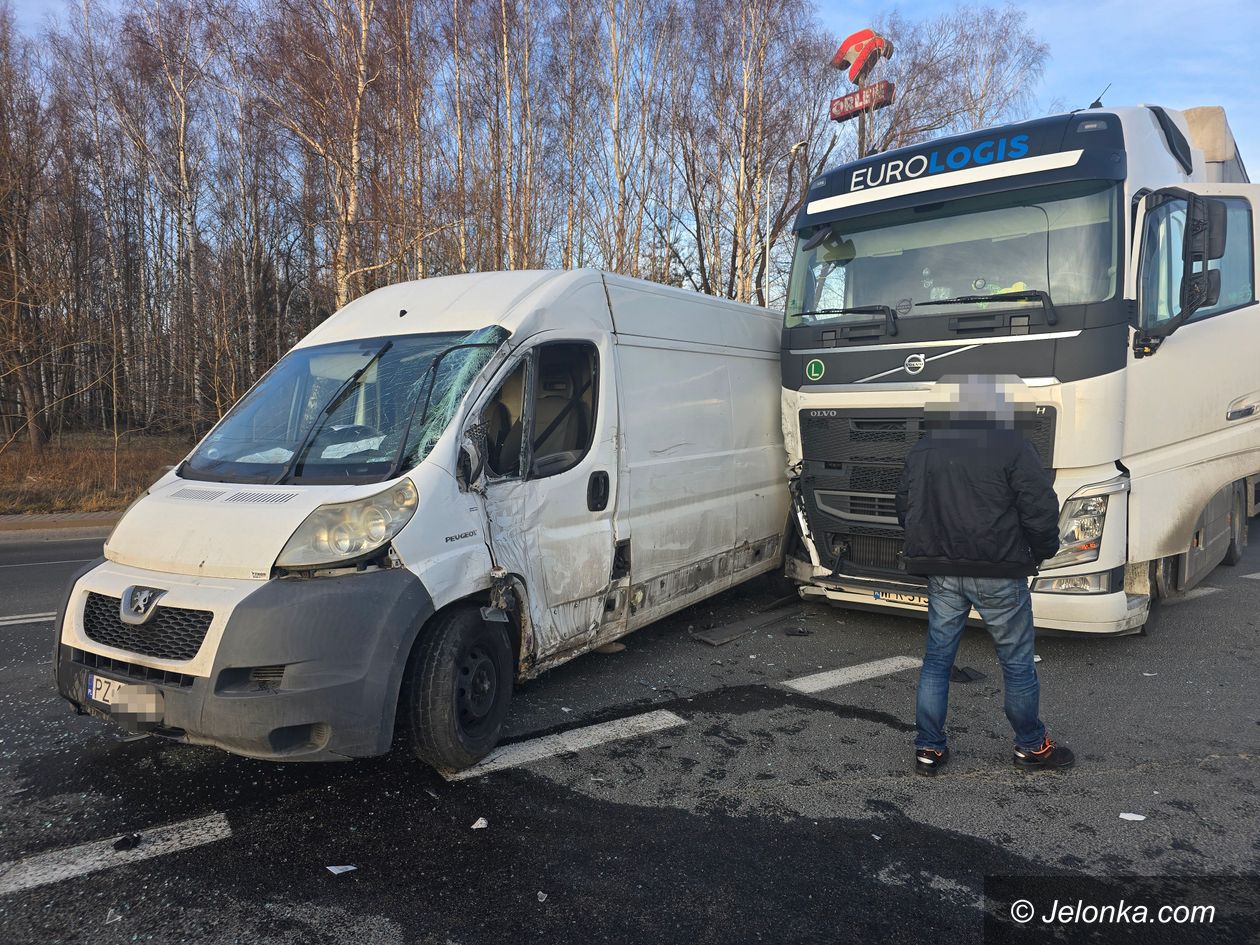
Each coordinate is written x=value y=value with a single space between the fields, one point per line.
x=889 y=313
x=1025 y=295
x=337 y=399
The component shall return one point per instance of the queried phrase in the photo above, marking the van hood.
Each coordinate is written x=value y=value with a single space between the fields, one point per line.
x=217 y=529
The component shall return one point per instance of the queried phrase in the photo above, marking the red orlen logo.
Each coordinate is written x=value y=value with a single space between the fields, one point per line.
x=860 y=52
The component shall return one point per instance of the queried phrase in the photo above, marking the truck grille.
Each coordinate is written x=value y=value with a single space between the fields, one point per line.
x=172 y=633
x=851 y=469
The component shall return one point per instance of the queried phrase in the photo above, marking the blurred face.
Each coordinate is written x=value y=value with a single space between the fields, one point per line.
x=976 y=398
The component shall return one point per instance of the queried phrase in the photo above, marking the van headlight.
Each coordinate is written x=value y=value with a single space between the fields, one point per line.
x=344 y=531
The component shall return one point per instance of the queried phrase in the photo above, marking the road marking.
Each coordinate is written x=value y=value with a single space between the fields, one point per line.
x=1190 y=595
x=58 y=865
x=31 y=564
x=510 y=756
x=851 y=674
x=18 y=619
x=1253 y=577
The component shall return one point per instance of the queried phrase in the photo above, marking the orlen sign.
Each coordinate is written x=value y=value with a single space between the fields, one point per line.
x=864 y=99
x=988 y=151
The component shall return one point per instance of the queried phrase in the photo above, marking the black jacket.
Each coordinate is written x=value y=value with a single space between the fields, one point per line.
x=975 y=502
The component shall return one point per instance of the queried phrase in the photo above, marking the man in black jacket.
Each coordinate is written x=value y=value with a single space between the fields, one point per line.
x=980 y=515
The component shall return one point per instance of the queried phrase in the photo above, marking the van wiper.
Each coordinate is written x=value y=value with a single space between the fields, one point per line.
x=1025 y=295
x=337 y=399
x=889 y=313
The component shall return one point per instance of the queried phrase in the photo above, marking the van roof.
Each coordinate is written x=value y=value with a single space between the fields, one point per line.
x=521 y=301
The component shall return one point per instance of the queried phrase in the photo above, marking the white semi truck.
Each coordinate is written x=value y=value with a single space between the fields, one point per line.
x=1107 y=260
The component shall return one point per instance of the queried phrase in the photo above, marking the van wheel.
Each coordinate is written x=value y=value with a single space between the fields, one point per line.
x=457 y=689
x=1237 y=531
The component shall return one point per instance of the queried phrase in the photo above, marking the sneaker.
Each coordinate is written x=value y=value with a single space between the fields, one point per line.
x=1049 y=755
x=928 y=762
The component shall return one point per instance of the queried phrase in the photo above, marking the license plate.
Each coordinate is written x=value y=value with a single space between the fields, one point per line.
x=897 y=597
x=102 y=690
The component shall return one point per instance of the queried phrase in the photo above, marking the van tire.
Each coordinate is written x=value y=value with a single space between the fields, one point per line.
x=1237 y=530
x=457 y=689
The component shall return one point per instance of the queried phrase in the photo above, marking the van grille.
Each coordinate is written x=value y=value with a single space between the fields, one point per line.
x=172 y=633
x=131 y=671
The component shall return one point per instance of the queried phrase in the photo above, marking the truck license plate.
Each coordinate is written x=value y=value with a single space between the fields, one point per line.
x=897 y=597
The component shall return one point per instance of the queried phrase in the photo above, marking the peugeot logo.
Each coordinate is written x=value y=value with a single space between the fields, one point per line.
x=138 y=604
x=914 y=363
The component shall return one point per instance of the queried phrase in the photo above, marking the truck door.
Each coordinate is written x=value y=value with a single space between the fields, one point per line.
x=1192 y=394
x=550 y=441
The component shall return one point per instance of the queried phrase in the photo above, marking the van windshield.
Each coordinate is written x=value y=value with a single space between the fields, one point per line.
x=351 y=411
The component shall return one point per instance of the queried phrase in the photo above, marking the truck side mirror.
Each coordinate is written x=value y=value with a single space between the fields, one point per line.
x=1216 y=214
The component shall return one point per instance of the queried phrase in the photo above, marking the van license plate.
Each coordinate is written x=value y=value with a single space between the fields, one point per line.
x=102 y=690
x=897 y=597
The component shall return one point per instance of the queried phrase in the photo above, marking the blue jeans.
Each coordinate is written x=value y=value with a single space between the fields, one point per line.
x=1006 y=607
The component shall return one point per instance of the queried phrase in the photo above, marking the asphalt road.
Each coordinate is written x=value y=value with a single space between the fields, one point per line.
x=764 y=815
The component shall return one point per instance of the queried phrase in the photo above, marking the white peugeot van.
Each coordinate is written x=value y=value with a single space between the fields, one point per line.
x=448 y=485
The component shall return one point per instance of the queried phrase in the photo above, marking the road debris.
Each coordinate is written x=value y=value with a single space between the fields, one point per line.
x=610 y=648
x=725 y=633
x=1150 y=674
x=432 y=793
x=1036 y=658
x=542 y=896
x=112 y=916
x=1133 y=817
x=338 y=870
x=798 y=632
x=481 y=824
x=965 y=674
x=127 y=842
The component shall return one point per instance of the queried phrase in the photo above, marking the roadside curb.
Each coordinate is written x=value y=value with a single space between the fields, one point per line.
x=28 y=524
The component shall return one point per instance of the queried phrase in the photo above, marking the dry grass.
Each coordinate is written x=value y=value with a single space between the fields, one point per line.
x=77 y=474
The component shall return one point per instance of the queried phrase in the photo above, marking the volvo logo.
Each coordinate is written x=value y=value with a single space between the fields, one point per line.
x=138 y=604
x=914 y=363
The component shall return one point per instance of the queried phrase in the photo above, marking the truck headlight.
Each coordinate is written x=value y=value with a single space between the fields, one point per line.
x=1080 y=531
x=344 y=531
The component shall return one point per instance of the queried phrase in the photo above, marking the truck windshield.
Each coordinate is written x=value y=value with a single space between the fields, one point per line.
x=1060 y=239
x=340 y=412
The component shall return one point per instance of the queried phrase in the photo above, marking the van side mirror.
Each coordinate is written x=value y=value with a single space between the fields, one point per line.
x=471 y=464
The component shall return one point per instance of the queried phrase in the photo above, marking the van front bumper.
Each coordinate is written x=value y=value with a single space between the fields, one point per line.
x=290 y=670
x=1116 y=613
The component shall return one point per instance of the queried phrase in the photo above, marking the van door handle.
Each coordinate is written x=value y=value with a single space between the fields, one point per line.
x=1242 y=408
x=597 y=491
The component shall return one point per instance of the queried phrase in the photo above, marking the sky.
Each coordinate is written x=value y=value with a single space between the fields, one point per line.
x=1174 y=53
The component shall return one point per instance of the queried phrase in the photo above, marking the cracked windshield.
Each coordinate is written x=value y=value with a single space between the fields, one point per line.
x=342 y=412
x=1058 y=239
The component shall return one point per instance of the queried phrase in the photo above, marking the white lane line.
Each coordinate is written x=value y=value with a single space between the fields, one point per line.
x=851 y=674
x=58 y=865
x=1191 y=595
x=31 y=564
x=1253 y=577
x=17 y=619
x=510 y=756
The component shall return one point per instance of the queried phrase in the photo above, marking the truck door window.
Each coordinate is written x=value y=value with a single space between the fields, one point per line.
x=1162 y=264
x=503 y=418
x=563 y=414
x=1237 y=279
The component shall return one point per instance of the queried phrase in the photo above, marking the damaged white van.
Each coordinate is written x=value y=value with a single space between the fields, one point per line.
x=449 y=485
